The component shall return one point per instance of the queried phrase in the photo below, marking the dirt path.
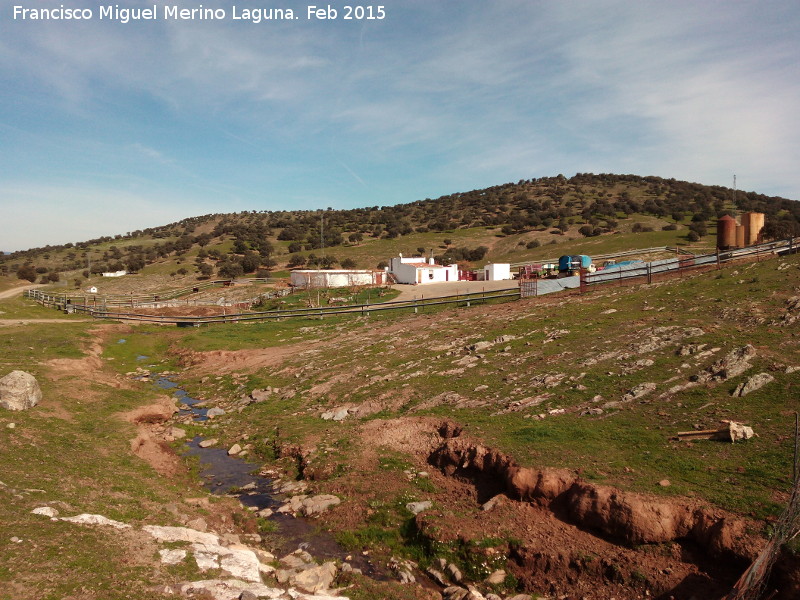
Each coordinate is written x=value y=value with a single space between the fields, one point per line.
x=12 y=322
x=440 y=290
x=15 y=291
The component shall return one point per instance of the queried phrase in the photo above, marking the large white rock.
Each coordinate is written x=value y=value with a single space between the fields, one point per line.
x=87 y=519
x=181 y=534
x=19 y=391
x=230 y=588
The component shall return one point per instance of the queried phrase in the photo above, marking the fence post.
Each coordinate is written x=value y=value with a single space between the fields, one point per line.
x=415 y=305
x=718 y=267
x=649 y=273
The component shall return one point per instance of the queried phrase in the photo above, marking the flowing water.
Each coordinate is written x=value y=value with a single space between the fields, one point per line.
x=222 y=473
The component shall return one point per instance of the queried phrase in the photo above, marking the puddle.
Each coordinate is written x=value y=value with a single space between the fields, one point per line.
x=122 y=341
x=142 y=357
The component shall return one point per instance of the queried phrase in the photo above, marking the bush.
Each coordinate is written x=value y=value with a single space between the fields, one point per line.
x=533 y=244
x=670 y=227
x=27 y=272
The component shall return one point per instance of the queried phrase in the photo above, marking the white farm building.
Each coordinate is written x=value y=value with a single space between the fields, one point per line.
x=419 y=270
x=335 y=278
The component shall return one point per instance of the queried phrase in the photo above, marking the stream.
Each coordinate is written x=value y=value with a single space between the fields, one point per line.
x=222 y=473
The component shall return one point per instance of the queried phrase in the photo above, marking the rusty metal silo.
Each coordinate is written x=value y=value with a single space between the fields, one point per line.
x=726 y=232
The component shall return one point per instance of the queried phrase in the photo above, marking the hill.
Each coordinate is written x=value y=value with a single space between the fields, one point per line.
x=543 y=432
x=508 y=222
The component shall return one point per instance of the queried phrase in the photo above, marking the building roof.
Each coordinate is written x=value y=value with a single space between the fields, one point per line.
x=424 y=265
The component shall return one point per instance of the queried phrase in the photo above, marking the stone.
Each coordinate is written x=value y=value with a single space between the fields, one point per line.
x=47 y=511
x=218 y=589
x=235 y=449
x=314 y=579
x=752 y=384
x=665 y=483
x=318 y=504
x=454 y=572
x=418 y=507
x=176 y=433
x=198 y=524
x=437 y=576
x=496 y=578
x=87 y=519
x=340 y=414
x=172 y=557
x=639 y=391
x=214 y=412
x=208 y=443
x=260 y=395
x=19 y=391
x=181 y=534
x=492 y=502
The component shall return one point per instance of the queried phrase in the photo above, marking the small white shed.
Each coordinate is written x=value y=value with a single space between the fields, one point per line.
x=497 y=272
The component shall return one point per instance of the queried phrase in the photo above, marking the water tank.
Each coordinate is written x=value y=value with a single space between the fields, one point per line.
x=753 y=224
x=726 y=232
x=740 y=236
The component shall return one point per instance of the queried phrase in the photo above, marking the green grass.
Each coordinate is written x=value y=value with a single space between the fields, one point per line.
x=72 y=451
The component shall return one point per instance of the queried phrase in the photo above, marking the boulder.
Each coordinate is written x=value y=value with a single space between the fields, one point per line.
x=314 y=579
x=752 y=384
x=19 y=391
x=318 y=504
x=418 y=507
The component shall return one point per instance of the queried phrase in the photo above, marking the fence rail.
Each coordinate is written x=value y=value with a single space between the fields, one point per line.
x=240 y=317
x=527 y=288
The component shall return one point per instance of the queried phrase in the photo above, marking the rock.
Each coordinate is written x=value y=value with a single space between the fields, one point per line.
x=181 y=534
x=260 y=395
x=176 y=433
x=86 y=519
x=217 y=589
x=171 y=557
x=608 y=311
x=198 y=524
x=314 y=579
x=215 y=412
x=493 y=597
x=299 y=559
x=418 y=507
x=247 y=595
x=19 y=391
x=639 y=391
x=752 y=384
x=47 y=511
x=318 y=504
x=235 y=449
x=492 y=502
x=437 y=576
x=732 y=364
x=496 y=578
x=11 y=425
x=208 y=443
x=455 y=573
x=665 y=483
x=340 y=414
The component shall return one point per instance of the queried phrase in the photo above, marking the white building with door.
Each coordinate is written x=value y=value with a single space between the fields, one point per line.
x=418 y=270
x=497 y=272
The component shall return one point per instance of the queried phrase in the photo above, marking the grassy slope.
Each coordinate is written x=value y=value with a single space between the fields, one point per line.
x=630 y=447
x=73 y=452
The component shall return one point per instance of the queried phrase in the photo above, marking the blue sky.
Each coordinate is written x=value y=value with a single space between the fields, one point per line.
x=108 y=127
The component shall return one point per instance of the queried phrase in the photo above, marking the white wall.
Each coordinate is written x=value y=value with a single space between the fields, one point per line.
x=497 y=272
x=331 y=278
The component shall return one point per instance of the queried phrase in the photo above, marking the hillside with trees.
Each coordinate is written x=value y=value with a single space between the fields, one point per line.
x=257 y=243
